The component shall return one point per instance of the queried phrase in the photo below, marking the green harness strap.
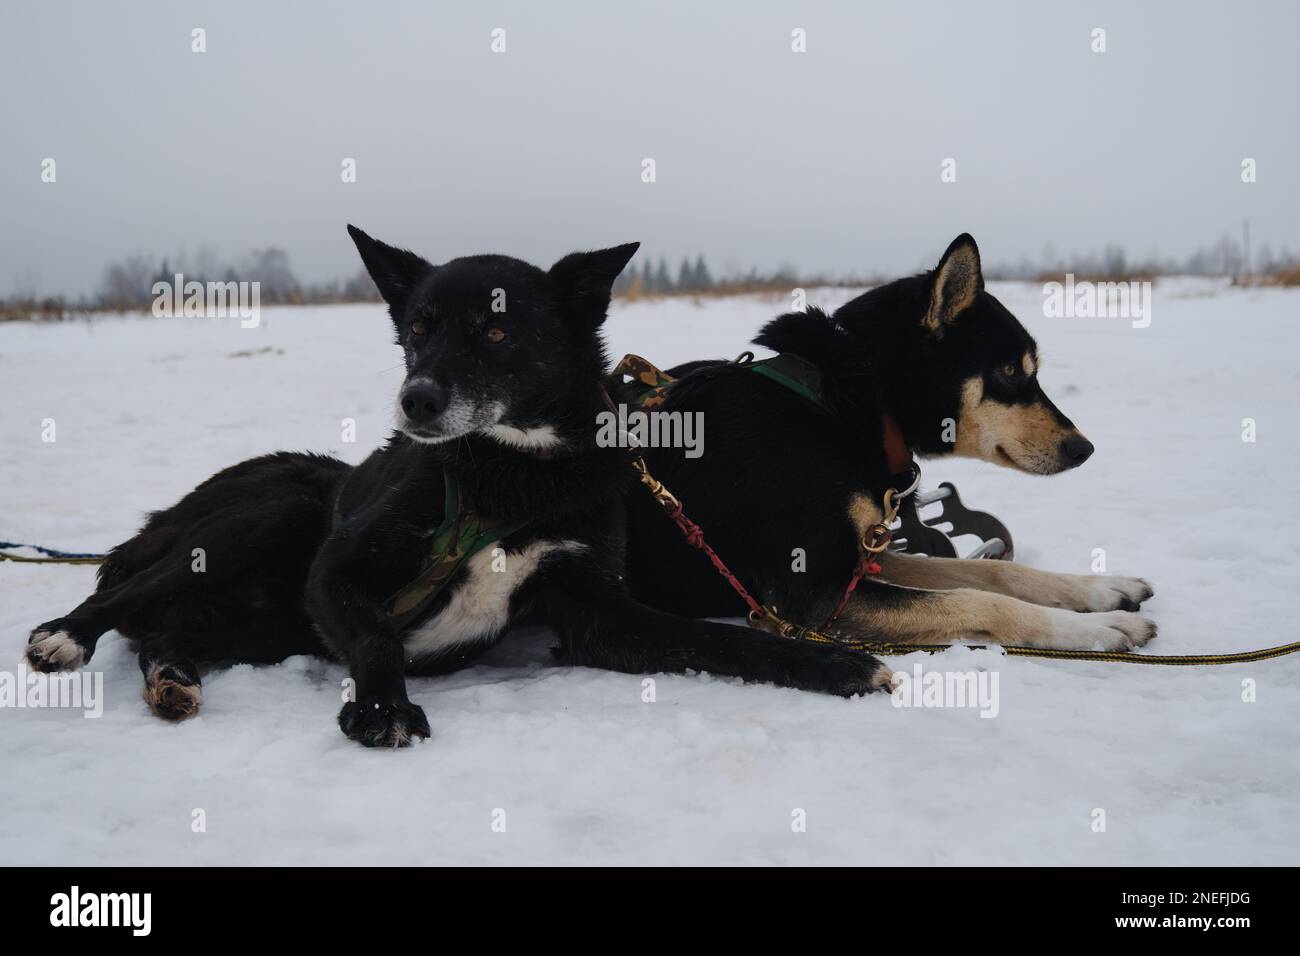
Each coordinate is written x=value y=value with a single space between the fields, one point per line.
x=461 y=535
x=797 y=374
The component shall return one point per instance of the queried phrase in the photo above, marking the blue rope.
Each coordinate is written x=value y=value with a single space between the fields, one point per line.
x=51 y=553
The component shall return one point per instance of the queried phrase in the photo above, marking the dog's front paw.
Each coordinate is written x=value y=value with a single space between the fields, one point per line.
x=376 y=722
x=1133 y=630
x=840 y=671
x=51 y=647
x=1119 y=594
x=1104 y=631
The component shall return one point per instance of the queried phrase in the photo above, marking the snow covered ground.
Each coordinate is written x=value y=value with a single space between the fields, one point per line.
x=712 y=771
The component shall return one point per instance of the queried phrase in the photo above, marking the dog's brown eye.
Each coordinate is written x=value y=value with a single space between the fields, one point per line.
x=418 y=328
x=495 y=335
x=1010 y=372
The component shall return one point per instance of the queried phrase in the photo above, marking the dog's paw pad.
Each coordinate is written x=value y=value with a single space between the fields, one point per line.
x=883 y=679
x=50 y=651
x=1102 y=631
x=172 y=697
x=1128 y=593
x=383 y=723
x=855 y=674
x=1126 y=631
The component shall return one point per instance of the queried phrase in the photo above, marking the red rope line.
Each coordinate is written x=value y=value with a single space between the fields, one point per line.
x=866 y=565
x=694 y=535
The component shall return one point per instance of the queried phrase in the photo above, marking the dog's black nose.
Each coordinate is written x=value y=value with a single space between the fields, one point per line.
x=1075 y=450
x=423 y=402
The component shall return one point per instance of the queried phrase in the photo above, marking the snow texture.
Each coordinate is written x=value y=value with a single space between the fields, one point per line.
x=713 y=771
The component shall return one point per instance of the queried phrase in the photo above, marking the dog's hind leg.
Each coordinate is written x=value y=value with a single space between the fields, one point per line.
x=172 y=687
x=1074 y=592
x=171 y=645
x=620 y=634
x=249 y=570
x=886 y=612
x=66 y=643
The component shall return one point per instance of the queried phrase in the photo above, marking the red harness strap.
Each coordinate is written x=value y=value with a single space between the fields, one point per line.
x=694 y=535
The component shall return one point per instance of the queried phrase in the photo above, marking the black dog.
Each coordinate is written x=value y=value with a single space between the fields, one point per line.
x=491 y=504
x=799 y=459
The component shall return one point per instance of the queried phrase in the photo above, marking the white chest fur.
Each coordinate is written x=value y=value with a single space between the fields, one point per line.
x=479 y=608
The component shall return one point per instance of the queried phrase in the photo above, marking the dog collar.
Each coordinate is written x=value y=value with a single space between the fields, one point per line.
x=898 y=456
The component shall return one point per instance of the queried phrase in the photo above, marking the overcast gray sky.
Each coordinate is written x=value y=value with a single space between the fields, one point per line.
x=826 y=160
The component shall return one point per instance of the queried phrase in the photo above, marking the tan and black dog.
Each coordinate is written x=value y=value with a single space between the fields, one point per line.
x=798 y=461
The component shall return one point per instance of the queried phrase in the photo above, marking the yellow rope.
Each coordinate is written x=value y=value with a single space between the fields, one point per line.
x=1128 y=657
x=1052 y=653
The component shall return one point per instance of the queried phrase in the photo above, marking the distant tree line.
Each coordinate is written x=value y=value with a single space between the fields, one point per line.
x=1225 y=257
x=128 y=283
x=655 y=279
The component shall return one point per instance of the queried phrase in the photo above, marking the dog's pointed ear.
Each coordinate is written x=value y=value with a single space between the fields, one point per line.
x=583 y=280
x=395 y=271
x=957 y=281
